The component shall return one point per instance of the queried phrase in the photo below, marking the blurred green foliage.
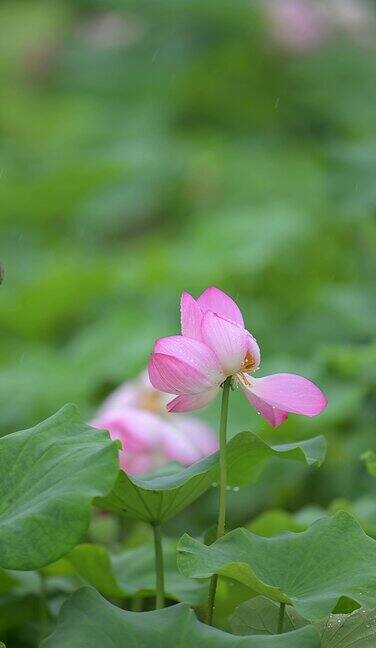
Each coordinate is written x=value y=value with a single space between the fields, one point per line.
x=153 y=146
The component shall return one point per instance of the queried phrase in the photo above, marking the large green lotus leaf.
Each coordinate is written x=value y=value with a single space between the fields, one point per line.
x=49 y=476
x=259 y=615
x=162 y=496
x=355 y=630
x=132 y=572
x=89 y=621
x=311 y=570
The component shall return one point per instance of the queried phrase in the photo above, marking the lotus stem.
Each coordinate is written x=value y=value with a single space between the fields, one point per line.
x=159 y=574
x=222 y=489
x=281 y=617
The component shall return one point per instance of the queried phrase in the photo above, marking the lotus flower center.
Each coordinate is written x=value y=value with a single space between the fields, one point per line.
x=249 y=363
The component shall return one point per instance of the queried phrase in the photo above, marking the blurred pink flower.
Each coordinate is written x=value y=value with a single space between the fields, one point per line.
x=296 y=25
x=215 y=345
x=302 y=25
x=136 y=415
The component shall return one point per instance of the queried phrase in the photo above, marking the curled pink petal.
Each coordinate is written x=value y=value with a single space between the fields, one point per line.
x=191 y=316
x=215 y=300
x=194 y=353
x=228 y=340
x=169 y=374
x=189 y=402
x=290 y=393
x=273 y=415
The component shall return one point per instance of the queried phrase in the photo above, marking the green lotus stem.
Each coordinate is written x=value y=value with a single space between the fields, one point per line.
x=222 y=489
x=281 y=617
x=159 y=574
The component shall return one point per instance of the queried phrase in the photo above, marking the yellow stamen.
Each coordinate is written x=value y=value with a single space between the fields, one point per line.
x=249 y=363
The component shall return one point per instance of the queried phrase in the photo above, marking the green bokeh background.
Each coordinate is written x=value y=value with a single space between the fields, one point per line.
x=152 y=147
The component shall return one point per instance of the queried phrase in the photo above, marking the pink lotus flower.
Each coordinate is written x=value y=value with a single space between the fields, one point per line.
x=215 y=345
x=136 y=415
